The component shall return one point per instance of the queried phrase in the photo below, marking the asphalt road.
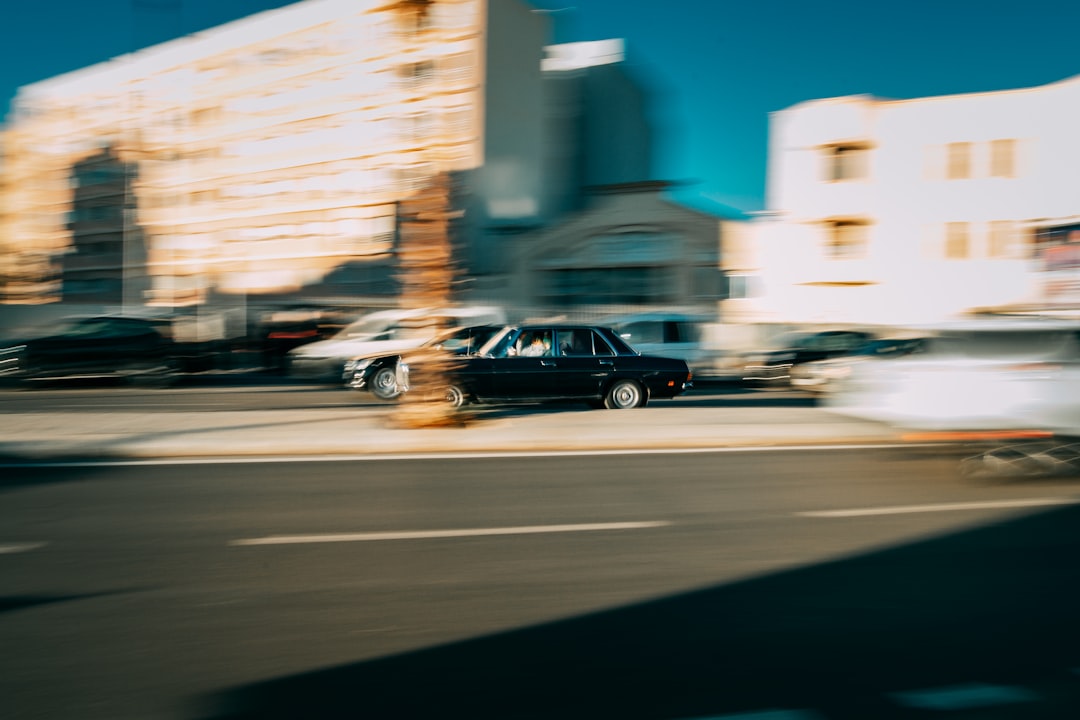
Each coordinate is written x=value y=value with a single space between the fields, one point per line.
x=828 y=584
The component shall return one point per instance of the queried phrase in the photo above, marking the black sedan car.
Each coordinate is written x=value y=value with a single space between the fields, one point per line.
x=772 y=368
x=530 y=363
x=378 y=372
x=124 y=346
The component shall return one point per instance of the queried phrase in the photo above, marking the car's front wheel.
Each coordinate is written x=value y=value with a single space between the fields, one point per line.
x=624 y=394
x=455 y=396
x=384 y=383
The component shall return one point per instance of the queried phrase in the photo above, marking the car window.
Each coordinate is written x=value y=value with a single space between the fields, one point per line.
x=467 y=340
x=582 y=342
x=535 y=343
x=505 y=346
x=643 y=332
x=682 y=331
x=1005 y=345
x=364 y=327
x=89 y=328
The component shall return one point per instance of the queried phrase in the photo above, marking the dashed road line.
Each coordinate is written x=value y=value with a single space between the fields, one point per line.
x=12 y=548
x=939 y=507
x=435 y=534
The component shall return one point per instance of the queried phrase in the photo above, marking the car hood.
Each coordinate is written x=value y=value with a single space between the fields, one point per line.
x=356 y=348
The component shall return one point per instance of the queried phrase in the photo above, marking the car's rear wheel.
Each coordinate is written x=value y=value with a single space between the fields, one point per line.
x=384 y=383
x=624 y=394
x=157 y=375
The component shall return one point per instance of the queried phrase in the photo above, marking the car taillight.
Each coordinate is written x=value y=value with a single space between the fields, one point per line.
x=286 y=335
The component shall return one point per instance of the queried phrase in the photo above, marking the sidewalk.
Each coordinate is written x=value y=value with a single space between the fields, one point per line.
x=344 y=431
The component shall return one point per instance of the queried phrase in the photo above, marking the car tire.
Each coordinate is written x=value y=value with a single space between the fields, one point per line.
x=160 y=375
x=384 y=383
x=623 y=395
x=455 y=396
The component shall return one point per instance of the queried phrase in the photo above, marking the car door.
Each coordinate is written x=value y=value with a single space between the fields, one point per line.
x=519 y=374
x=114 y=344
x=583 y=365
x=78 y=348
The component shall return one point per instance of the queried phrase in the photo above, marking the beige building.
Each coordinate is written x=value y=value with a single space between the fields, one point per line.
x=260 y=156
x=899 y=211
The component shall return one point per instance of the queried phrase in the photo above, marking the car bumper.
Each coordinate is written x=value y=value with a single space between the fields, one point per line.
x=767 y=373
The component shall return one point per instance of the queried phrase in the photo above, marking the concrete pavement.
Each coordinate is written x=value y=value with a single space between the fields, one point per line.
x=371 y=430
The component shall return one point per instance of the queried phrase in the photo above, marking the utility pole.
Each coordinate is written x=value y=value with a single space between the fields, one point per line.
x=426 y=261
x=426 y=264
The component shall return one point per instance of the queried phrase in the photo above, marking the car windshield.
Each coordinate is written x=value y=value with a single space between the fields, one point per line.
x=886 y=348
x=499 y=340
x=364 y=327
x=76 y=326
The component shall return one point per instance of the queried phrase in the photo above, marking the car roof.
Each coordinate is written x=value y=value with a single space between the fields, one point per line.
x=562 y=325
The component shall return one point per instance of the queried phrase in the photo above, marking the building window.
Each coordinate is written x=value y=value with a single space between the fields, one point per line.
x=959 y=161
x=741 y=286
x=846 y=162
x=846 y=239
x=457 y=68
x=956 y=240
x=1003 y=158
x=1002 y=239
x=416 y=73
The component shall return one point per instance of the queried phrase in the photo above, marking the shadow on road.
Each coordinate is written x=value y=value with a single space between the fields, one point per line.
x=987 y=618
x=19 y=602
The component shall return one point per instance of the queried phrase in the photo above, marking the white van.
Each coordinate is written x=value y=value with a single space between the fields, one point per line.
x=385 y=332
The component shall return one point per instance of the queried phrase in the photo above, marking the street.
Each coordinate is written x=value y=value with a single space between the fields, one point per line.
x=197 y=395
x=828 y=584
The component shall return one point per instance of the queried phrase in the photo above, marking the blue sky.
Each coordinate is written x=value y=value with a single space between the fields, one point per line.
x=715 y=68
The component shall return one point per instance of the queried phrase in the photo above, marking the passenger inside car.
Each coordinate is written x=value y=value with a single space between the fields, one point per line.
x=539 y=346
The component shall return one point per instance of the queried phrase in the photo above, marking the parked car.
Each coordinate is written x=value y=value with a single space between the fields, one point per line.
x=1000 y=374
x=822 y=376
x=676 y=335
x=277 y=332
x=137 y=348
x=386 y=332
x=562 y=362
x=377 y=372
x=773 y=367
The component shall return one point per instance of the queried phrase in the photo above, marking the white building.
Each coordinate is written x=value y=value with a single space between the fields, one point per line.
x=899 y=211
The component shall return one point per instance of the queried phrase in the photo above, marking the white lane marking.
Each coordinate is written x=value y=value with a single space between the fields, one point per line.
x=12 y=548
x=765 y=715
x=963 y=697
x=941 y=507
x=429 y=534
x=496 y=454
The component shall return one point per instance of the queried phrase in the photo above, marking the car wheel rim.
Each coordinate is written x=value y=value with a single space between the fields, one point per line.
x=384 y=384
x=626 y=395
x=455 y=397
